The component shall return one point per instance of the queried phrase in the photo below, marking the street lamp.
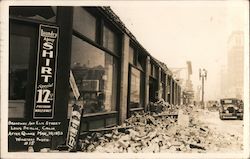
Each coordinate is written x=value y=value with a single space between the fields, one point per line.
x=202 y=76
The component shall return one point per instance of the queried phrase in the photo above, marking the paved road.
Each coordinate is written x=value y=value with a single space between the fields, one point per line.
x=227 y=128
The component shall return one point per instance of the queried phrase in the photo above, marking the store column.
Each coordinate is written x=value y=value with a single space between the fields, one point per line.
x=171 y=90
x=166 y=89
x=124 y=79
x=175 y=93
x=62 y=86
x=159 y=91
x=147 y=73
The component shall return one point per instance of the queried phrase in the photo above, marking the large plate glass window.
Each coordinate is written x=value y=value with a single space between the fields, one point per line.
x=136 y=88
x=95 y=72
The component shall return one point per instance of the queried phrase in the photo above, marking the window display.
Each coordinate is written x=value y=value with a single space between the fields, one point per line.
x=96 y=76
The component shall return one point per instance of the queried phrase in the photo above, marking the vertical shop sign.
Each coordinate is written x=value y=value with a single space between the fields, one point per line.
x=46 y=72
x=76 y=115
x=74 y=126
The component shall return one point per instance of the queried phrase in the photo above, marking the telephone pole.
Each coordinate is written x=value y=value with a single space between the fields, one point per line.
x=202 y=77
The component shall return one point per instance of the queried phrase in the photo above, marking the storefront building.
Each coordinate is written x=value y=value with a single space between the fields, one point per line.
x=113 y=74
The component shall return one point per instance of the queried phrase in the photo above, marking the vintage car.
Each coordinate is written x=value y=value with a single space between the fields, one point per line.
x=231 y=108
x=213 y=105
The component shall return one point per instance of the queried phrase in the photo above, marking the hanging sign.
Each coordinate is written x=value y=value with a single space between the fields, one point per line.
x=46 y=72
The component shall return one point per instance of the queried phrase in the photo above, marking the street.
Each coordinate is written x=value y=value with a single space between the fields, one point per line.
x=228 y=128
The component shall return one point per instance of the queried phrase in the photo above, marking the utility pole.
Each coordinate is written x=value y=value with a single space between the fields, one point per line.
x=202 y=77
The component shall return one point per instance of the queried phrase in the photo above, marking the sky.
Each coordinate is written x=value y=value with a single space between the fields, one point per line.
x=178 y=31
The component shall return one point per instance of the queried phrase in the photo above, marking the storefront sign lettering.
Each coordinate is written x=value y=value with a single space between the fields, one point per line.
x=46 y=72
x=74 y=126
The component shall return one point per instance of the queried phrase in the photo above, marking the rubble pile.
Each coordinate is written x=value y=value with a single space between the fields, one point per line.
x=146 y=133
x=162 y=106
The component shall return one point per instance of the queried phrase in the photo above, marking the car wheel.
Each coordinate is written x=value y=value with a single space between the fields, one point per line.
x=221 y=117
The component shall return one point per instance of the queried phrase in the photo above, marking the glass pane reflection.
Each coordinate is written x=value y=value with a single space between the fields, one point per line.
x=95 y=73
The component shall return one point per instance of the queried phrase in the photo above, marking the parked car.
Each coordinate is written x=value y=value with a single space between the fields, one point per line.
x=231 y=108
x=213 y=105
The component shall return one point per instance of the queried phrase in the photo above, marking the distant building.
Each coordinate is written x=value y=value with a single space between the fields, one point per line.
x=235 y=64
x=185 y=82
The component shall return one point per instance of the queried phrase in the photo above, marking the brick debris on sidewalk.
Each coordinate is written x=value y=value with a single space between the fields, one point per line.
x=158 y=132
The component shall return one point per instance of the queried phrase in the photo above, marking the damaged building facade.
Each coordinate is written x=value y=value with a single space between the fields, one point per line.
x=114 y=74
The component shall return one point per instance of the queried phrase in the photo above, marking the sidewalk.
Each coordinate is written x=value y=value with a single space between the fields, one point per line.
x=155 y=133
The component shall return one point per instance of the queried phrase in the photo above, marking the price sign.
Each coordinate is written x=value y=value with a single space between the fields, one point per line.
x=46 y=72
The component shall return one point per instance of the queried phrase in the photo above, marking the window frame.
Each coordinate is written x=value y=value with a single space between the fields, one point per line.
x=137 y=53
x=117 y=74
x=104 y=23
x=154 y=70
x=100 y=19
x=98 y=25
x=142 y=90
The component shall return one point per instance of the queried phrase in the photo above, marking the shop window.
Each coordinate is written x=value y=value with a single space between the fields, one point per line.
x=38 y=13
x=18 y=70
x=152 y=89
x=136 y=86
x=20 y=48
x=84 y=23
x=22 y=45
x=95 y=72
x=141 y=62
x=18 y=74
x=163 y=77
x=110 y=40
x=132 y=55
x=154 y=71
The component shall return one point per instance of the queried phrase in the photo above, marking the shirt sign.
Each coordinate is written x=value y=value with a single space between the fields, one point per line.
x=46 y=72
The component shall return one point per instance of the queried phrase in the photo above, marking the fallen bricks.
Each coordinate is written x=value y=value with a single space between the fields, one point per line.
x=155 y=134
